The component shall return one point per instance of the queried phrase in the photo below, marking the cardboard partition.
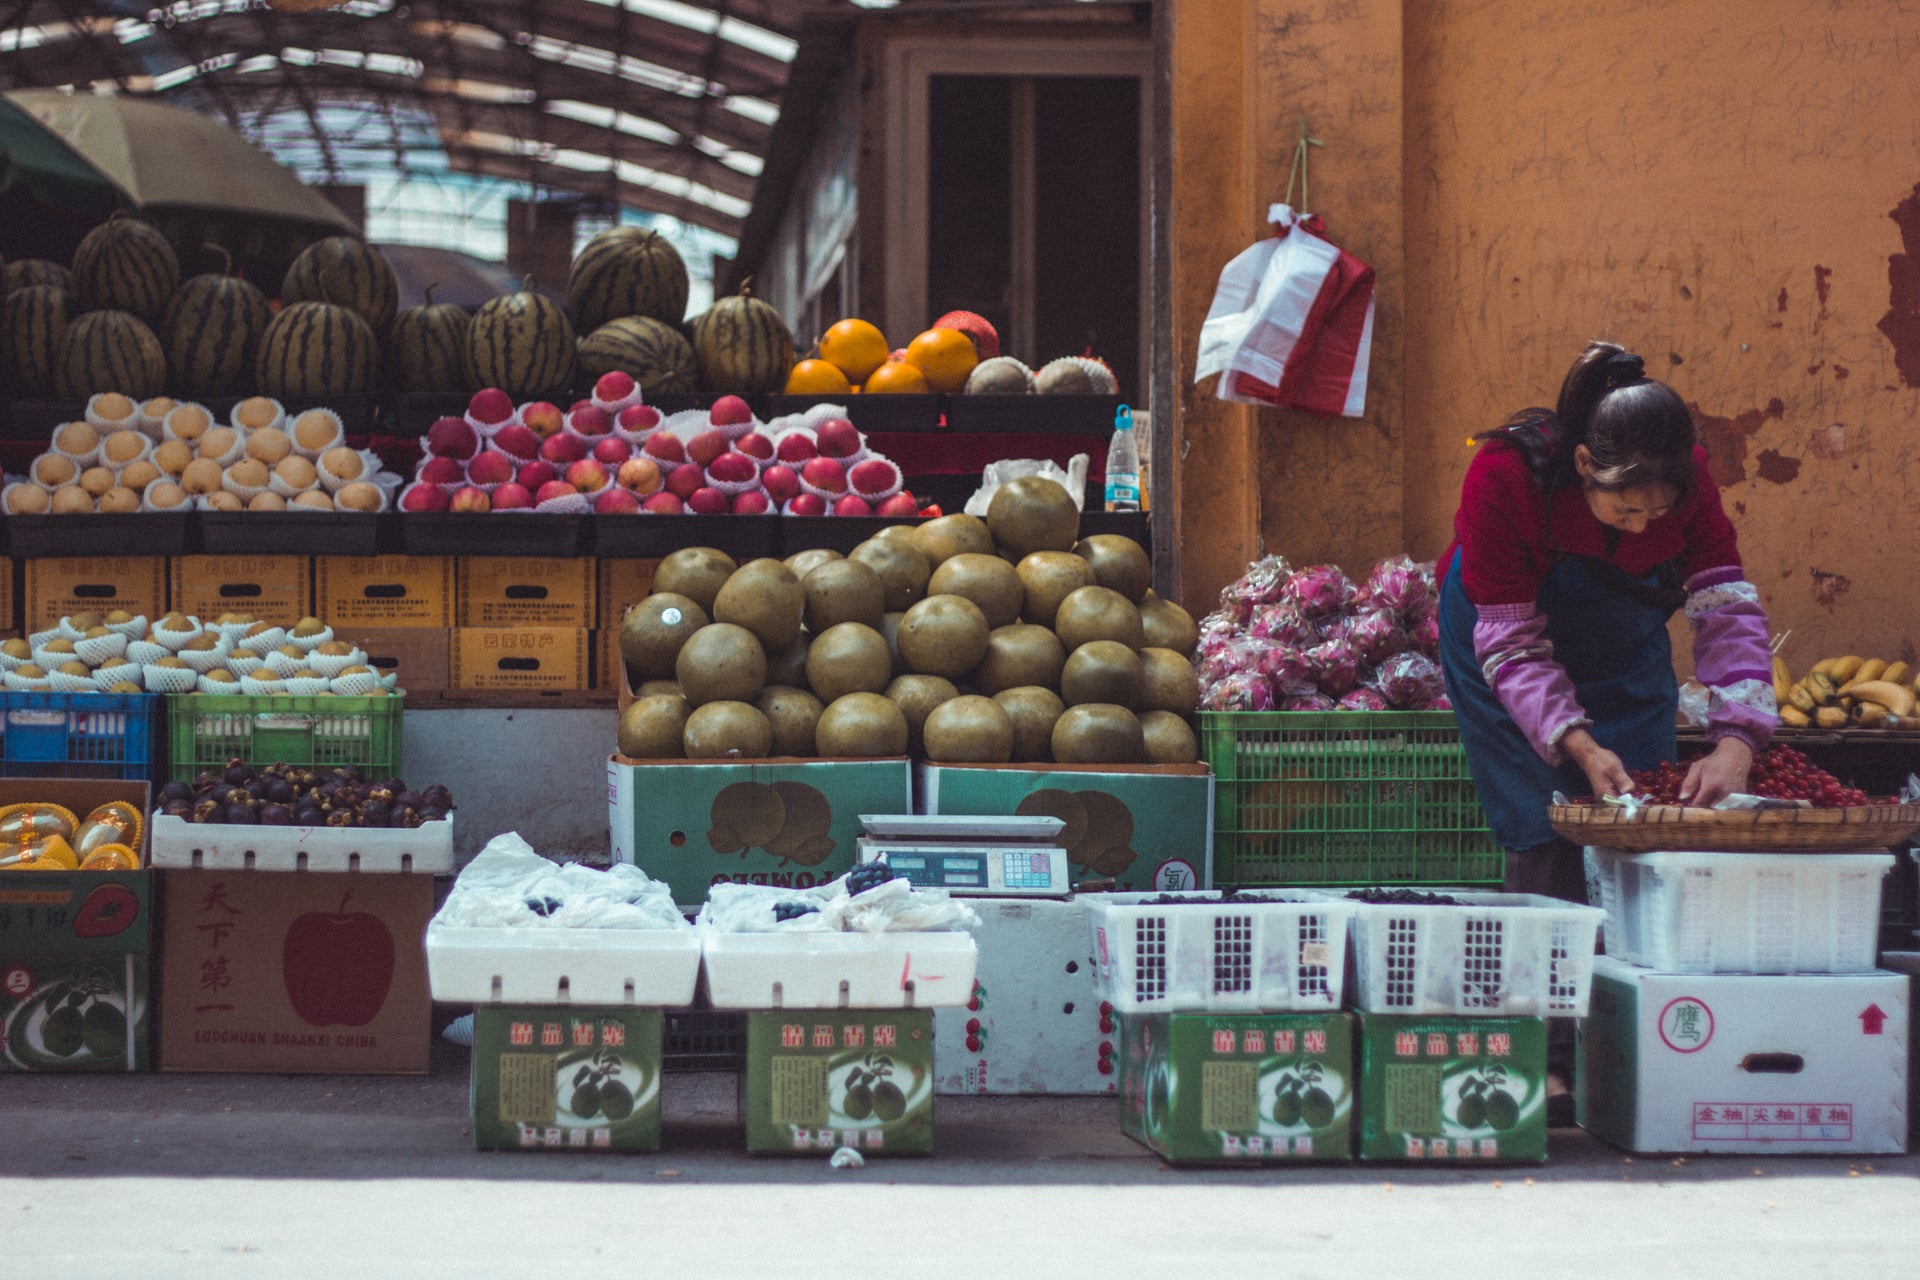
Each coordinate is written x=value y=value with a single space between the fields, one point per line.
x=566 y=1078
x=384 y=591
x=1453 y=1090
x=1745 y=1063
x=525 y=658
x=539 y=591
x=696 y=823
x=820 y=1079
x=58 y=588
x=270 y=588
x=294 y=971
x=420 y=654
x=1275 y=1088
x=1146 y=827
x=7 y=618
x=622 y=584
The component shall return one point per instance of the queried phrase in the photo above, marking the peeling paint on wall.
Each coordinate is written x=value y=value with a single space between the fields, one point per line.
x=1828 y=587
x=1726 y=438
x=1777 y=467
x=1901 y=324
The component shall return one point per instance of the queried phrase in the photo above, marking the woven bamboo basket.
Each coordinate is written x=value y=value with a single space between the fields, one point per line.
x=1689 y=830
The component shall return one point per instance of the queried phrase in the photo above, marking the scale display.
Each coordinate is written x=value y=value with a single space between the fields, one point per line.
x=1029 y=871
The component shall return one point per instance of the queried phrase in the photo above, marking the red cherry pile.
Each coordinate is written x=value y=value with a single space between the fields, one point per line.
x=1780 y=773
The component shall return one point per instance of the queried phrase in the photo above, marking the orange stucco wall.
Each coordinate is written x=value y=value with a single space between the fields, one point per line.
x=1729 y=188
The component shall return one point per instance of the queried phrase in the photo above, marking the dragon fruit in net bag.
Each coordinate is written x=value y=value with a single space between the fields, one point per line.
x=1334 y=666
x=1260 y=584
x=1425 y=635
x=1400 y=584
x=1243 y=691
x=1363 y=699
x=1307 y=702
x=1238 y=656
x=1410 y=681
x=1284 y=624
x=1319 y=590
x=1285 y=668
x=1376 y=634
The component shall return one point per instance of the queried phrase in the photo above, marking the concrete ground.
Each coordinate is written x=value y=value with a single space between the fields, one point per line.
x=161 y=1176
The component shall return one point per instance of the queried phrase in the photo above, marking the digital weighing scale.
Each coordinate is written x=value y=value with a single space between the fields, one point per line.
x=987 y=857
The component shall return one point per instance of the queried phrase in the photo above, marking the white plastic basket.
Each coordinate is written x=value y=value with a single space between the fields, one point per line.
x=1273 y=951
x=802 y=970
x=1493 y=955
x=638 y=967
x=218 y=846
x=1741 y=912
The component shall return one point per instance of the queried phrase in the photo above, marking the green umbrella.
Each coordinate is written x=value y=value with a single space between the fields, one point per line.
x=49 y=195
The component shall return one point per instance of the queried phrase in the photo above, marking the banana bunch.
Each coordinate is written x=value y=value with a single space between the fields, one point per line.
x=1865 y=693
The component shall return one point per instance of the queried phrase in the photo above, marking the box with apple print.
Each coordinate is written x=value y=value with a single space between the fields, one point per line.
x=296 y=971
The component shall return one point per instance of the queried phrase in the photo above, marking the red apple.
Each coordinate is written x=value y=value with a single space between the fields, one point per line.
x=470 y=499
x=562 y=449
x=642 y=475
x=685 y=478
x=733 y=468
x=709 y=501
x=663 y=504
x=517 y=442
x=577 y=405
x=589 y=476
x=796 y=447
x=490 y=406
x=452 y=438
x=613 y=387
x=536 y=473
x=337 y=968
x=514 y=495
x=442 y=470
x=423 y=497
x=554 y=489
x=751 y=503
x=706 y=446
x=902 y=504
x=591 y=420
x=853 y=505
x=780 y=482
x=612 y=450
x=616 y=501
x=873 y=476
x=729 y=411
x=664 y=446
x=825 y=473
x=490 y=466
x=838 y=438
x=986 y=341
x=639 y=417
x=806 y=504
x=755 y=445
x=542 y=418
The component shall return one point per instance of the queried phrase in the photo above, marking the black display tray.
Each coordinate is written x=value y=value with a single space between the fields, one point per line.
x=526 y=533
x=294 y=533
x=1051 y=415
x=647 y=537
x=869 y=413
x=833 y=533
x=133 y=533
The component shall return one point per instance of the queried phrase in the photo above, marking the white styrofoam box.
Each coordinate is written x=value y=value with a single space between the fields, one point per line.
x=217 y=846
x=1038 y=1007
x=1268 y=951
x=801 y=970
x=1507 y=955
x=1745 y=1063
x=642 y=967
x=1742 y=912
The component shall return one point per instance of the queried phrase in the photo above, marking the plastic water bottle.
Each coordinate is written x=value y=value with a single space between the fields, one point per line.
x=1123 y=465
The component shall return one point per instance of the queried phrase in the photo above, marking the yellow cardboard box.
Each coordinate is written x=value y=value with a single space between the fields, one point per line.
x=623 y=584
x=538 y=591
x=385 y=591
x=529 y=659
x=271 y=588
x=63 y=586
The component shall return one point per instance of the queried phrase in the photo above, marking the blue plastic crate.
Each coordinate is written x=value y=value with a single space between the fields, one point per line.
x=80 y=735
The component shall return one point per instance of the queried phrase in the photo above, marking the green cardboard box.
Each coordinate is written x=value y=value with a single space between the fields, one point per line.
x=70 y=1011
x=1458 y=1090
x=791 y=823
x=1275 y=1088
x=1146 y=827
x=552 y=1078
x=820 y=1079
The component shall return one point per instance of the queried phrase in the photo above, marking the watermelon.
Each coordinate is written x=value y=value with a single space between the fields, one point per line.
x=313 y=350
x=24 y=272
x=427 y=348
x=109 y=351
x=348 y=272
x=522 y=343
x=33 y=321
x=627 y=271
x=211 y=332
x=742 y=346
x=651 y=353
x=125 y=264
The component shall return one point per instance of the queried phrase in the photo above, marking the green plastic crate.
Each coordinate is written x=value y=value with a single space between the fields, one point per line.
x=1345 y=798
x=207 y=730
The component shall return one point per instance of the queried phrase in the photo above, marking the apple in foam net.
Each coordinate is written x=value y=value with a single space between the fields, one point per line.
x=838 y=438
x=780 y=482
x=554 y=489
x=685 y=478
x=443 y=470
x=562 y=449
x=665 y=447
x=612 y=450
x=751 y=503
x=452 y=438
x=470 y=499
x=490 y=405
x=902 y=504
x=872 y=475
x=729 y=411
x=755 y=445
x=639 y=417
x=613 y=386
x=853 y=505
x=825 y=473
x=589 y=476
x=590 y=420
x=423 y=497
x=541 y=417
x=536 y=473
x=709 y=502
x=512 y=496
x=796 y=448
x=517 y=441
x=490 y=466
x=663 y=504
x=642 y=475
x=706 y=446
x=807 y=504
x=733 y=468
x=616 y=502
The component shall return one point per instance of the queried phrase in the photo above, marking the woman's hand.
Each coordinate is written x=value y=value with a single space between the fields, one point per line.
x=1718 y=775
x=1605 y=774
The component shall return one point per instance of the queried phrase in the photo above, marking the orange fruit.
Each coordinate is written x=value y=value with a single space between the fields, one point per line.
x=946 y=356
x=854 y=347
x=897 y=377
x=817 y=378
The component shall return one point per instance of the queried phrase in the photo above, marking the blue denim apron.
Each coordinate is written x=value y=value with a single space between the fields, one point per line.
x=1615 y=650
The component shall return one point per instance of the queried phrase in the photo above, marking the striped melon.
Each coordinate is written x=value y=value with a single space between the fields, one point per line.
x=109 y=351
x=627 y=271
x=211 y=332
x=347 y=272
x=313 y=350
x=24 y=272
x=651 y=353
x=427 y=348
x=125 y=265
x=33 y=320
x=523 y=344
x=742 y=346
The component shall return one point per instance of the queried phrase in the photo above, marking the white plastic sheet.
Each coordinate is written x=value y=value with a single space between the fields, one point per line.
x=1073 y=479
x=893 y=907
x=510 y=885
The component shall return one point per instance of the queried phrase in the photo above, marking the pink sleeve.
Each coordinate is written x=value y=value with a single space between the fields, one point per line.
x=1517 y=659
x=1731 y=657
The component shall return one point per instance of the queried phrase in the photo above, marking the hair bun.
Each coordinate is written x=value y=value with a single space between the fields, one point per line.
x=1624 y=367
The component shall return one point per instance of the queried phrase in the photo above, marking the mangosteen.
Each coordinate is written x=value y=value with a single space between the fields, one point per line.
x=376 y=813
x=406 y=800
x=437 y=797
x=352 y=773
x=238 y=773
x=178 y=808
x=208 y=810
x=175 y=791
x=406 y=816
x=394 y=785
x=428 y=813
x=240 y=814
x=379 y=793
x=341 y=818
x=276 y=815
x=309 y=817
x=257 y=789
x=280 y=791
x=347 y=796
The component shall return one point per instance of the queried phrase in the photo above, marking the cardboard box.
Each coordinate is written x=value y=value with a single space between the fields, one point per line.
x=622 y=584
x=294 y=971
x=422 y=655
x=1723 y=1062
x=1209 y=1088
x=271 y=588
x=1147 y=827
x=384 y=591
x=57 y=588
x=525 y=658
x=695 y=824
x=537 y=591
x=1035 y=1024
x=820 y=1079
x=1453 y=1090
x=566 y=1078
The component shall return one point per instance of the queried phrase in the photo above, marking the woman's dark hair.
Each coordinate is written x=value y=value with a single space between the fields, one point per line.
x=1636 y=428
